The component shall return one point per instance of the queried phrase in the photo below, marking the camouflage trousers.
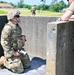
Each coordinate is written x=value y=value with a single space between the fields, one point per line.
x=17 y=64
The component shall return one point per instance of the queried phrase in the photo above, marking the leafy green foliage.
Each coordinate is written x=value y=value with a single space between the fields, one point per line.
x=57 y=6
x=20 y=4
x=27 y=6
x=3 y=2
x=42 y=7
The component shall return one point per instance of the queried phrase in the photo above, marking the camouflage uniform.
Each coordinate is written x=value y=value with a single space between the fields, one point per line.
x=11 y=41
x=33 y=10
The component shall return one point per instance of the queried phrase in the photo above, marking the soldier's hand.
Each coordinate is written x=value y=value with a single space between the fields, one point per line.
x=23 y=39
x=16 y=54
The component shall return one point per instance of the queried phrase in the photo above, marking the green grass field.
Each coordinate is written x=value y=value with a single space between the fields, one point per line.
x=25 y=12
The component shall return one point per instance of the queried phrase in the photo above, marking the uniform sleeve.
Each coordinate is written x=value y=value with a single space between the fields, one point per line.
x=5 y=41
x=19 y=40
x=71 y=7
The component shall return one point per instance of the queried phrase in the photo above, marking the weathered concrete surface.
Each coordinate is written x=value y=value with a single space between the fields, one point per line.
x=38 y=67
x=35 y=29
x=60 y=48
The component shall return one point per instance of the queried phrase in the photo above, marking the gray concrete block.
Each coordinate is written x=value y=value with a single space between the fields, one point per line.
x=60 y=55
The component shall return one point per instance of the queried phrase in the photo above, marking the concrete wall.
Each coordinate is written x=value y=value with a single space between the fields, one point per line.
x=35 y=29
x=60 y=48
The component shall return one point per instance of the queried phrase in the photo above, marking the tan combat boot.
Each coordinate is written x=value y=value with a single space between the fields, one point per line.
x=1 y=62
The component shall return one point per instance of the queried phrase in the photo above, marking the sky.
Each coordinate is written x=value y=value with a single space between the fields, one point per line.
x=31 y=2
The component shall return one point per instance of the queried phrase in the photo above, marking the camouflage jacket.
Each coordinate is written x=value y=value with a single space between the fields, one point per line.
x=10 y=37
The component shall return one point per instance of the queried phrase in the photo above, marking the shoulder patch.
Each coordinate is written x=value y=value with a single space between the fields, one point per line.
x=7 y=29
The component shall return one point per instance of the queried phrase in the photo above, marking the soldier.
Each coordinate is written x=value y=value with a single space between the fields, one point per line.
x=33 y=10
x=12 y=42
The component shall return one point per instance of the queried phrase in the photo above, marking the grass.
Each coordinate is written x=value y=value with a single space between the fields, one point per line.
x=25 y=12
x=2 y=12
x=48 y=13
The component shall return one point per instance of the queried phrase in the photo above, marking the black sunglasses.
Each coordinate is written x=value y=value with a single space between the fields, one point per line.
x=67 y=0
x=17 y=16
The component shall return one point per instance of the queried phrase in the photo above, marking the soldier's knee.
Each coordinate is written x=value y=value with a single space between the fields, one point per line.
x=18 y=70
x=27 y=65
x=17 y=67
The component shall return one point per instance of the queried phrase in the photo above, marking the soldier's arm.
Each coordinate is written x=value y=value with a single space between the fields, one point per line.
x=5 y=41
x=21 y=40
x=69 y=13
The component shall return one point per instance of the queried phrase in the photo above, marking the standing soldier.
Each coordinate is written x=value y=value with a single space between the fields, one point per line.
x=33 y=10
x=12 y=42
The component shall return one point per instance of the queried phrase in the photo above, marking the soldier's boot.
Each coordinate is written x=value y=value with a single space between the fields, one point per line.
x=1 y=62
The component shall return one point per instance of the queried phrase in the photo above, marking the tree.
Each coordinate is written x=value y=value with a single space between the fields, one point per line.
x=53 y=1
x=20 y=4
x=44 y=1
x=27 y=6
x=42 y=7
x=58 y=6
x=3 y=2
x=12 y=4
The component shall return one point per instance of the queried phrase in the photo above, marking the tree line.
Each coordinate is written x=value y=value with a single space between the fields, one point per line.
x=56 y=7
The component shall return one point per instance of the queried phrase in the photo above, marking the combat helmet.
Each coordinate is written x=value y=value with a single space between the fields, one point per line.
x=12 y=13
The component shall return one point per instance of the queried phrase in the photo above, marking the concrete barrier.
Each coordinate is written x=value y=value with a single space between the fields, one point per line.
x=60 y=48
x=35 y=29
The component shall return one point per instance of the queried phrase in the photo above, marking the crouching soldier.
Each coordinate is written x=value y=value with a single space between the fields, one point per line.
x=12 y=41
